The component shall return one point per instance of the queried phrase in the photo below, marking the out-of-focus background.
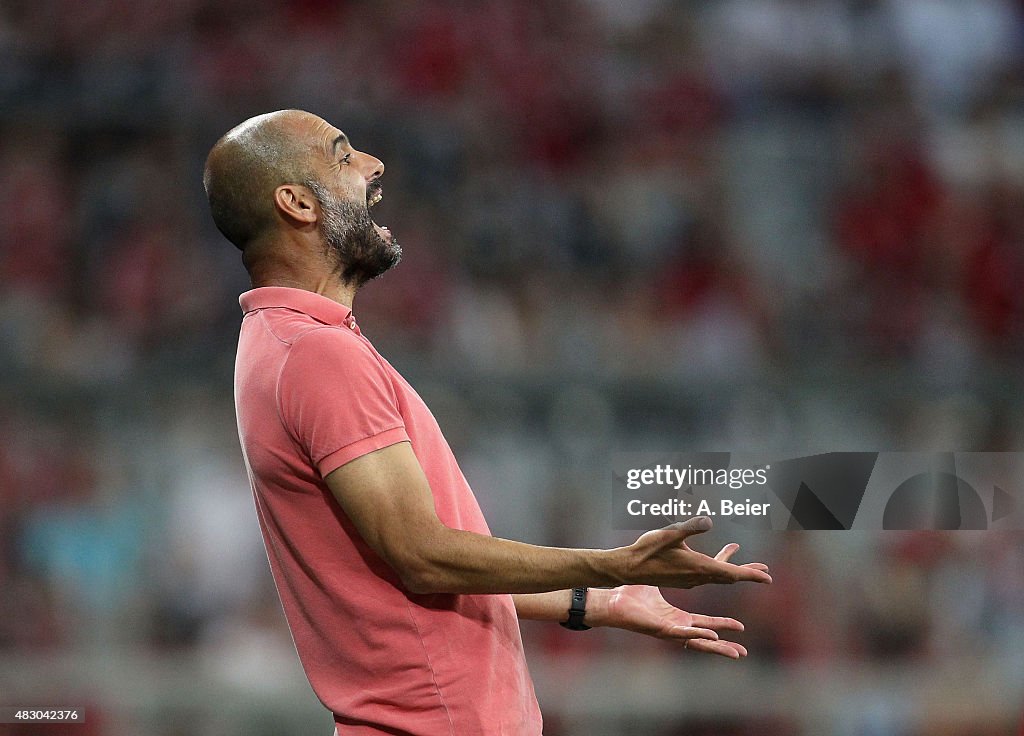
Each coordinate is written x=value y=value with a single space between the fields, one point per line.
x=789 y=226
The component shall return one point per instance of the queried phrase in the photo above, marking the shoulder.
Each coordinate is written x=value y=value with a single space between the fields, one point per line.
x=317 y=342
x=325 y=351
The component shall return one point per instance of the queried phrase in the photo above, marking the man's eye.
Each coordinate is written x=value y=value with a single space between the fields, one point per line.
x=346 y=158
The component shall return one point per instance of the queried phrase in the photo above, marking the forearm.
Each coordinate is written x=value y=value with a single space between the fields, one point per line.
x=443 y=560
x=454 y=561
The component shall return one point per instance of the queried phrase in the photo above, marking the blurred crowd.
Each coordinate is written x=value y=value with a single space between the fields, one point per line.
x=793 y=226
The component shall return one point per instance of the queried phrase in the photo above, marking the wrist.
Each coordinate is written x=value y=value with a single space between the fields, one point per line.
x=612 y=565
x=597 y=607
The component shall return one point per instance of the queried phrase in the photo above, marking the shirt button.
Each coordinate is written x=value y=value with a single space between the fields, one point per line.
x=351 y=325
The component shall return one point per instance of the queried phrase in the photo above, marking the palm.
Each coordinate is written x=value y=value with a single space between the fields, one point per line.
x=641 y=608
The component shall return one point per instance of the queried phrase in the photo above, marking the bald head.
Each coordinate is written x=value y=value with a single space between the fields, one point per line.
x=248 y=164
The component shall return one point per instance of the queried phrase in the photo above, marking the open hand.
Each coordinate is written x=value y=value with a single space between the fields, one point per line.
x=641 y=608
x=662 y=557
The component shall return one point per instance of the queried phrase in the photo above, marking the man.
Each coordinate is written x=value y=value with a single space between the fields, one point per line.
x=402 y=606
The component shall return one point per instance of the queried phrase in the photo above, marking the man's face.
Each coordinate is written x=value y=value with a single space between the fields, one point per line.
x=348 y=186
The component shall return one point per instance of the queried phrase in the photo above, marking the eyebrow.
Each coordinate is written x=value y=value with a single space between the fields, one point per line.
x=342 y=138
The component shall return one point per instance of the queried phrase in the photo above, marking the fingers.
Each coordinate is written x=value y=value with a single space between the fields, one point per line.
x=740 y=649
x=729 y=573
x=675 y=534
x=718 y=623
x=728 y=649
x=702 y=637
x=692 y=632
x=730 y=549
x=727 y=551
x=696 y=525
x=751 y=575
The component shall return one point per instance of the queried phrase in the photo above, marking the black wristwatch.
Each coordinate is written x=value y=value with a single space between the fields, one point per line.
x=577 y=611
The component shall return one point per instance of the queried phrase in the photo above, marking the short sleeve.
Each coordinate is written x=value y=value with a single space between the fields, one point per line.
x=336 y=399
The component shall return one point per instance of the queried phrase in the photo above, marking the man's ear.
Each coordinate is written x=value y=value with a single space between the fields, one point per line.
x=295 y=202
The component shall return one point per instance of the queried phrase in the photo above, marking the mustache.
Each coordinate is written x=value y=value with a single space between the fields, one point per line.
x=373 y=188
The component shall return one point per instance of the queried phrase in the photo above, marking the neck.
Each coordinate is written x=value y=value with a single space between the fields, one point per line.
x=269 y=271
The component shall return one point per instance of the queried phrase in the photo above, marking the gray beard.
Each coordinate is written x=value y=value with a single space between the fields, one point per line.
x=359 y=252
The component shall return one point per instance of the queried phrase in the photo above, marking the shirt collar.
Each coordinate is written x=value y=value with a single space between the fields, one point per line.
x=316 y=306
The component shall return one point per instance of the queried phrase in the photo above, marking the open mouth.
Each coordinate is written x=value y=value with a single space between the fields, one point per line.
x=374 y=194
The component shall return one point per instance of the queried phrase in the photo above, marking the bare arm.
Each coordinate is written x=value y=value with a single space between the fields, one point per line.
x=388 y=499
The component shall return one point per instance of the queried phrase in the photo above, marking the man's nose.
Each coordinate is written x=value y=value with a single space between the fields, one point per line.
x=371 y=168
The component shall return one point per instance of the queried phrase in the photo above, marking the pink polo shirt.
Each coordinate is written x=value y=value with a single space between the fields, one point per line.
x=312 y=394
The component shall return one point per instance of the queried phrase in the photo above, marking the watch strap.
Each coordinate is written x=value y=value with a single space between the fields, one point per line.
x=577 y=610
